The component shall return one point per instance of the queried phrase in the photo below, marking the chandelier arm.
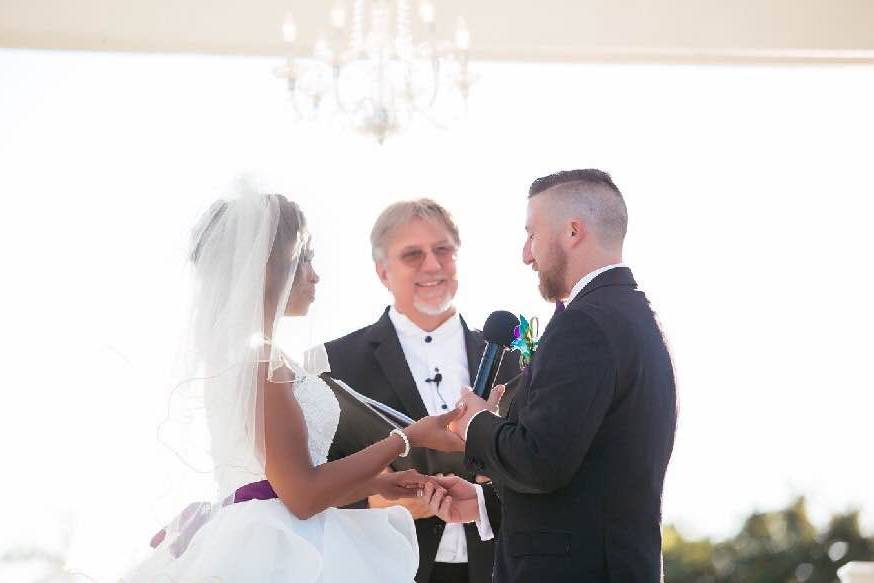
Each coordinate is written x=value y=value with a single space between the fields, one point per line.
x=415 y=104
x=341 y=105
x=435 y=80
x=291 y=82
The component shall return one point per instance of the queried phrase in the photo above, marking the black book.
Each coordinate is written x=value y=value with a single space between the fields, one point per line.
x=363 y=420
x=368 y=413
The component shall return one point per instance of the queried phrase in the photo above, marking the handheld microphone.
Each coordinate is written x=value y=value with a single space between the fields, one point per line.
x=498 y=333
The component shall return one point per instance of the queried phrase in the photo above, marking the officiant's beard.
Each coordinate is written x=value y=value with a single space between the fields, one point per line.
x=552 y=278
x=433 y=310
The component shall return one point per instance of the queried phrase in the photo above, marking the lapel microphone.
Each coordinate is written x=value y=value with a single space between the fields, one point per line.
x=436 y=380
x=499 y=333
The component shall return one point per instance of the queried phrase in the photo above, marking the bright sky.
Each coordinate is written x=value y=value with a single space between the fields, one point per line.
x=749 y=191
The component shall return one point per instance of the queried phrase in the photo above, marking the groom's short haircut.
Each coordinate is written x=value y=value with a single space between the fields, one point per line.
x=591 y=193
x=401 y=213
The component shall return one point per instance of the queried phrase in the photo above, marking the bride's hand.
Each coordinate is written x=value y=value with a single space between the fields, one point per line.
x=395 y=485
x=433 y=432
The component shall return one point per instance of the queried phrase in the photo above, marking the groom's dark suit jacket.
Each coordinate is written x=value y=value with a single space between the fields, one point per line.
x=579 y=462
x=372 y=362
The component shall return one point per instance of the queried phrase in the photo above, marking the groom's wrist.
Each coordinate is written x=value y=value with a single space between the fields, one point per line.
x=470 y=421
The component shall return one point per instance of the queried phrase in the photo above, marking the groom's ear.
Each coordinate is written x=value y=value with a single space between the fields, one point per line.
x=576 y=232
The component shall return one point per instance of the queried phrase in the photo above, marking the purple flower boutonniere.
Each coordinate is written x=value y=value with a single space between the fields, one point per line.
x=526 y=339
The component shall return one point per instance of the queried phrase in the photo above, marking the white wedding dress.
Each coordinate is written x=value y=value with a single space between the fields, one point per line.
x=262 y=541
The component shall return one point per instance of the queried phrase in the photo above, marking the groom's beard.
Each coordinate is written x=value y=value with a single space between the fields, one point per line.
x=552 y=279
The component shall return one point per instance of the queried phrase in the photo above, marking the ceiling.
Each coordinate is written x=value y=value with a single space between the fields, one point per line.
x=831 y=31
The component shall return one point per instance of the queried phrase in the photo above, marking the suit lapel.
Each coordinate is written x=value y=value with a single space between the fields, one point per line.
x=473 y=345
x=390 y=356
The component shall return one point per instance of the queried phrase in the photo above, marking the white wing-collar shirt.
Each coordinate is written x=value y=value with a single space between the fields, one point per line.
x=441 y=351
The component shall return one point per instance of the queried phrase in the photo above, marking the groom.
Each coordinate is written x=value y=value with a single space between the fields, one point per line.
x=579 y=462
x=416 y=358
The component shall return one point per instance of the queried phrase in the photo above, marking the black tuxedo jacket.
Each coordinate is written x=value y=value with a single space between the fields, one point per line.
x=579 y=462
x=372 y=362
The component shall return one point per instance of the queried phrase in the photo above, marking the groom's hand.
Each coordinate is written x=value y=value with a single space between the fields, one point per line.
x=474 y=404
x=452 y=499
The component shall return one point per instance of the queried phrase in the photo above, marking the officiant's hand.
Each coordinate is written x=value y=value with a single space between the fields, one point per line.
x=473 y=404
x=433 y=432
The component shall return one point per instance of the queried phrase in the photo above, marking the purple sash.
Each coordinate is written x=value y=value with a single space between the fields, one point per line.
x=197 y=513
x=255 y=491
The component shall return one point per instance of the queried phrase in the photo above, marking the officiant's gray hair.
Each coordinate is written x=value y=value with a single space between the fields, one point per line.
x=593 y=195
x=401 y=213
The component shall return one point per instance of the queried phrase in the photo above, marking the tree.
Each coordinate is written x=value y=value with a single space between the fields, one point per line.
x=774 y=547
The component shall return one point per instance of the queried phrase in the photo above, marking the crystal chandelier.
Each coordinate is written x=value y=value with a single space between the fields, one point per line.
x=370 y=72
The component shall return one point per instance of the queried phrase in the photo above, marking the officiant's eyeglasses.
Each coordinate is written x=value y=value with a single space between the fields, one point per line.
x=415 y=256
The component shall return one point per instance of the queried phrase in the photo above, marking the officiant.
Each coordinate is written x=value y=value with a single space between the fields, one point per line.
x=415 y=358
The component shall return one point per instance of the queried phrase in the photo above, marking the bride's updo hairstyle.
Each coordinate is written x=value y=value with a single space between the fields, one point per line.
x=291 y=221
x=291 y=224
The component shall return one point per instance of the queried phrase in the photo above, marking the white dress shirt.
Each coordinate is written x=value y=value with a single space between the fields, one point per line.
x=440 y=351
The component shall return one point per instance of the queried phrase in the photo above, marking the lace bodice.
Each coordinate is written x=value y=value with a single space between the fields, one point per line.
x=237 y=464
x=321 y=412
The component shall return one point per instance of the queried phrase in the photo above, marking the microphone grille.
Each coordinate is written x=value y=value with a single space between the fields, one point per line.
x=499 y=327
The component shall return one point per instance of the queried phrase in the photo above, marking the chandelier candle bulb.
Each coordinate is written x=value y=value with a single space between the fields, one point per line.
x=289 y=30
x=356 y=33
x=404 y=38
x=426 y=12
x=378 y=27
x=321 y=50
x=338 y=17
x=462 y=35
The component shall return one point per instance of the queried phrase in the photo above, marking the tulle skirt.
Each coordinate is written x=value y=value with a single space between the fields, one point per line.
x=261 y=541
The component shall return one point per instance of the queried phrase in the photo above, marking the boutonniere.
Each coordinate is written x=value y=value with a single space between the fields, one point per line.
x=526 y=340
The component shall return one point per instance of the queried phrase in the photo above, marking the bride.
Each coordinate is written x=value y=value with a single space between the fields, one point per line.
x=271 y=424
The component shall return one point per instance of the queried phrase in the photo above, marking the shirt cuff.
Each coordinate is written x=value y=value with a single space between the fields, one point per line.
x=472 y=417
x=483 y=526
